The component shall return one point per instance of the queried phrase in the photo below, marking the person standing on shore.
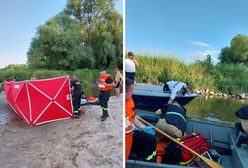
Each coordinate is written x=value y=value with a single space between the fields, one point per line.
x=175 y=87
x=76 y=95
x=0 y=86
x=105 y=84
x=130 y=65
x=118 y=81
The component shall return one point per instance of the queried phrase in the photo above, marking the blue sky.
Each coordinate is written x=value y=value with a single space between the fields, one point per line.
x=186 y=29
x=19 y=20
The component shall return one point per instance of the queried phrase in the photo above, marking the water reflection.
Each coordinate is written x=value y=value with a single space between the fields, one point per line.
x=215 y=109
x=92 y=90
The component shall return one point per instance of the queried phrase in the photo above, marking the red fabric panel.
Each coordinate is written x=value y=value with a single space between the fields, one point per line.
x=38 y=101
x=49 y=86
x=22 y=103
x=16 y=87
x=63 y=97
x=53 y=112
x=8 y=88
x=39 y=95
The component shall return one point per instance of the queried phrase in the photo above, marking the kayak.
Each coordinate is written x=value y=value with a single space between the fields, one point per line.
x=153 y=97
x=221 y=137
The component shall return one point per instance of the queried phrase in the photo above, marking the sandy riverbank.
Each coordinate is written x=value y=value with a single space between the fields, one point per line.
x=85 y=142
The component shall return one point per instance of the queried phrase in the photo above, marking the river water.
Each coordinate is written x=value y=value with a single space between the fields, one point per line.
x=215 y=109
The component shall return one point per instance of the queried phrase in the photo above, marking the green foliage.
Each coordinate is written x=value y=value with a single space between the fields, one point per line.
x=237 y=53
x=16 y=66
x=87 y=34
x=86 y=76
x=58 y=46
x=200 y=75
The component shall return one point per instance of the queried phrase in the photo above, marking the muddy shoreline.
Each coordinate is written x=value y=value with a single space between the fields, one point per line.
x=84 y=142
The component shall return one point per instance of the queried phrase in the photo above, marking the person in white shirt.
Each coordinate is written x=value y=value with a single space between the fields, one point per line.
x=130 y=64
x=175 y=87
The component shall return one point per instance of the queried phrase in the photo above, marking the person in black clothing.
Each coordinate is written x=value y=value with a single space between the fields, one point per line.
x=105 y=84
x=173 y=120
x=76 y=95
x=0 y=86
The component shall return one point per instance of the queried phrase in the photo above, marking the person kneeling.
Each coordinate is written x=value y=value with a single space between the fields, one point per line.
x=172 y=120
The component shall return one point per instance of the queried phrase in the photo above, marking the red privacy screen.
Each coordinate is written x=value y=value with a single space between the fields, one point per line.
x=40 y=101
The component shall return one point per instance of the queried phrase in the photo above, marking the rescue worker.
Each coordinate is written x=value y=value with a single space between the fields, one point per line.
x=172 y=120
x=76 y=95
x=175 y=87
x=242 y=128
x=105 y=84
x=140 y=139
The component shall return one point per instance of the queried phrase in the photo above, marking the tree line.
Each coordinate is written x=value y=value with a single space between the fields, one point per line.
x=86 y=34
x=237 y=53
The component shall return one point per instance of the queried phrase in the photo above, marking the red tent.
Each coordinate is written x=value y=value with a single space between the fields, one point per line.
x=40 y=101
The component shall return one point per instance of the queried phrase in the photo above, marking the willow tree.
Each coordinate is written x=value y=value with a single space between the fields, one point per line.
x=102 y=28
x=86 y=34
x=58 y=45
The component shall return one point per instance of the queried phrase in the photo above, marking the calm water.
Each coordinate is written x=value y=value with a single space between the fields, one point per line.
x=215 y=109
x=93 y=91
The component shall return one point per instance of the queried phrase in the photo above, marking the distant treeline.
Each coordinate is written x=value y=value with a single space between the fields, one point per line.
x=228 y=76
x=21 y=72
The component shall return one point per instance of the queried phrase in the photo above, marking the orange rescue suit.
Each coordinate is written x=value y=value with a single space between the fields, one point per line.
x=102 y=86
x=129 y=125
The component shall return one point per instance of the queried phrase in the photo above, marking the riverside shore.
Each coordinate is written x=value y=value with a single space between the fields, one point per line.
x=76 y=143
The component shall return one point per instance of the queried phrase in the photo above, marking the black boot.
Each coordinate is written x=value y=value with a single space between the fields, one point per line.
x=76 y=114
x=104 y=115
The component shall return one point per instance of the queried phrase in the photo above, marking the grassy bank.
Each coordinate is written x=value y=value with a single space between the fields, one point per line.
x=86 y=76
x=200 y=75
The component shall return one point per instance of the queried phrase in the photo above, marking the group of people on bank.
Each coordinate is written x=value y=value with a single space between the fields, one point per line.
x=141 y=140
x=104 y=84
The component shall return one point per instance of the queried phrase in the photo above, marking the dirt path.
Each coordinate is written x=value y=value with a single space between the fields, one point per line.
x=85 y=142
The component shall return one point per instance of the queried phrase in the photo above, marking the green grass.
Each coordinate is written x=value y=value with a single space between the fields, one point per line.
x=221 y=78
x=86 y=76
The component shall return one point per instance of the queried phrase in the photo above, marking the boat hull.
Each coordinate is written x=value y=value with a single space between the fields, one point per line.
x=221 y=137
x=153 y=102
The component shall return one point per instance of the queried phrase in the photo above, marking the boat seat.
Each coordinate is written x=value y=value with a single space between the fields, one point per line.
x=239 y=154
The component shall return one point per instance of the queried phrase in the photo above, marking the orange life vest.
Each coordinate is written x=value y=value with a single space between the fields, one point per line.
x=103 y=87
x=129 y=125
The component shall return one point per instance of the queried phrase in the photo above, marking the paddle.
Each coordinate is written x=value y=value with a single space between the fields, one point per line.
x=203 y=158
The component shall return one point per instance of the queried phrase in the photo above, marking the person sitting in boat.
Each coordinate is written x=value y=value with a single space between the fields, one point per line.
x=242 y=127
x=175 y=87
x=140 y=139
x=172 y=120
